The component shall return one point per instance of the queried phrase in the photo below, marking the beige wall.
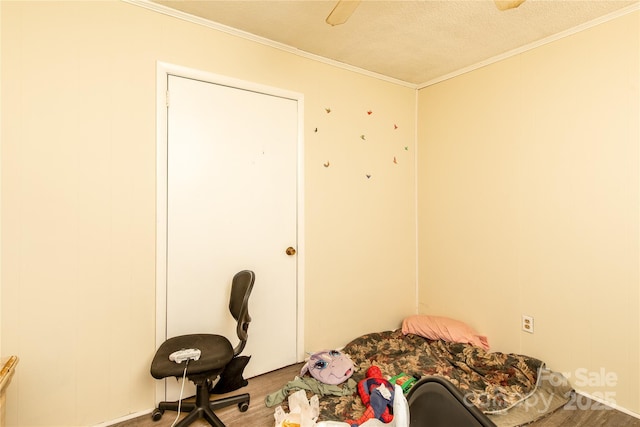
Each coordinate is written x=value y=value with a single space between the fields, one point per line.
x=78 y=198
x=529 y=194
x=528 y=191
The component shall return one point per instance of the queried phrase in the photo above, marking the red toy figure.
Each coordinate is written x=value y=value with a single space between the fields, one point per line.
x=377 y=395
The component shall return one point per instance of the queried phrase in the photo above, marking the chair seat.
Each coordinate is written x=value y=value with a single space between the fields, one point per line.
x=216 y=353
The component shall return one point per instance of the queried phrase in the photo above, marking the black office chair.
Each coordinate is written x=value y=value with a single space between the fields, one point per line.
x=217 y=357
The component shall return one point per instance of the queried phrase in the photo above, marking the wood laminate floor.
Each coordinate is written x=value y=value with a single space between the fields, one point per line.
x=259 y=415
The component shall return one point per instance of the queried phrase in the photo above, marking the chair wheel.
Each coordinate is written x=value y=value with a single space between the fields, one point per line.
x=156 y=414
x=243 y=406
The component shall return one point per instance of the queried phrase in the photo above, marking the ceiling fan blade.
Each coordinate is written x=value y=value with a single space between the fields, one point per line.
x=342 y=11
x=507 y=4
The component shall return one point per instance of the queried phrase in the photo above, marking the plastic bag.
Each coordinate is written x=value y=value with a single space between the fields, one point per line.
x=304 y=413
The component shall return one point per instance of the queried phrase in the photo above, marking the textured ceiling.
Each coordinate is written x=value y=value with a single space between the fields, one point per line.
x=412 y=41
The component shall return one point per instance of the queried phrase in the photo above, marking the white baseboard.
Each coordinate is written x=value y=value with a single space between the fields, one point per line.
x=125 y=418
x=609 y=404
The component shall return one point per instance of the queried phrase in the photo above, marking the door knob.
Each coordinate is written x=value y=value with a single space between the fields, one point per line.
x=290 y=251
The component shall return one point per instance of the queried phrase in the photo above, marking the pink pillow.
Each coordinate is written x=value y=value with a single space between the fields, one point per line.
x=443 y=328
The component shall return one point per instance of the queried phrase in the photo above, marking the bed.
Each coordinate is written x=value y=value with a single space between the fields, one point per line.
x=510 y=389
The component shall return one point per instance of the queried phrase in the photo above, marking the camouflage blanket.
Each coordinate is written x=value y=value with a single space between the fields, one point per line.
x=494 y=382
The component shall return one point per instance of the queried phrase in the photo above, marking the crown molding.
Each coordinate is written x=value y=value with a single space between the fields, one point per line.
x=566 y=33
x=147 y=4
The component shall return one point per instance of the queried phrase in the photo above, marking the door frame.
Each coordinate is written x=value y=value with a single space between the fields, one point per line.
x=163 y=70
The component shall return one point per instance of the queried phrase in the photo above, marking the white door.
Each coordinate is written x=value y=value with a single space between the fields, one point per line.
x=231 y=205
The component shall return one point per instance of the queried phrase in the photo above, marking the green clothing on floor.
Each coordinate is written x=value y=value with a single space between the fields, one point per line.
x=313 y=385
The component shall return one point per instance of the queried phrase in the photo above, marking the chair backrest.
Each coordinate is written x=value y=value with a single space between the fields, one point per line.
x=241 y=288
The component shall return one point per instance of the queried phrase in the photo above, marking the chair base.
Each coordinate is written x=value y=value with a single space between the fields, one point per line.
x=203 y=407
